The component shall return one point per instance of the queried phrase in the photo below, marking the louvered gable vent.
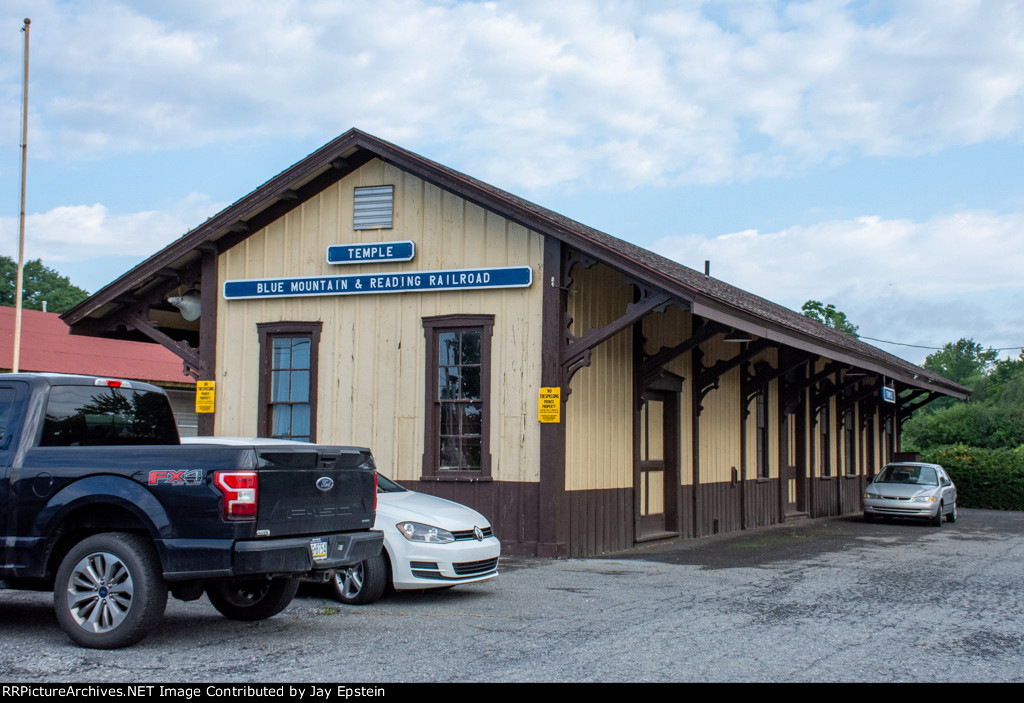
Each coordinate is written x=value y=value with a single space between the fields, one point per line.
x=373 y=207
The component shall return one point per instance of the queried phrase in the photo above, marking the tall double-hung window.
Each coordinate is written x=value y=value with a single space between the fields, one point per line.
x=825 y=440
x=288 y=381
x=457 y=439
x=761 y=432
x=850 y=442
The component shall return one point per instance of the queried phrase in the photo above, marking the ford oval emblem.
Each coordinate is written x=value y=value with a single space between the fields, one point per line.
x=325 y=483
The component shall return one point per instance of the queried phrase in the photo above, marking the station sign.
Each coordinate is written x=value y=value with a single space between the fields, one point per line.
x=371 y=253
x=370 y=283
x=888 y=394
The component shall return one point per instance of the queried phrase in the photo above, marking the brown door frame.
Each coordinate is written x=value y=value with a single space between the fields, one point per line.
x=668 y=389
x=797 y=470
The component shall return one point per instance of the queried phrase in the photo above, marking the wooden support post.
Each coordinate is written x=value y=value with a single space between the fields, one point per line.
x=553 y=513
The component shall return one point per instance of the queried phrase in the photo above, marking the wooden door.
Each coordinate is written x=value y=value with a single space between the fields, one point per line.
x=656 y=480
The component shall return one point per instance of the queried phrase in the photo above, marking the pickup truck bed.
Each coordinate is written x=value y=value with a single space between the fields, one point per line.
x=100 y=502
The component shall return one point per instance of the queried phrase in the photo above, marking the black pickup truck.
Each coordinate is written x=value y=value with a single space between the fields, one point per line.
x=101 y=503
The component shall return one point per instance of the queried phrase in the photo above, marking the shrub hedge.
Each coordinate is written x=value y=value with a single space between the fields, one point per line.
x=984 y=478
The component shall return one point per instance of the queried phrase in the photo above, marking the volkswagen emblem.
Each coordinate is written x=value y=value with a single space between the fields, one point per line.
x=325 y=483
x=478 y=533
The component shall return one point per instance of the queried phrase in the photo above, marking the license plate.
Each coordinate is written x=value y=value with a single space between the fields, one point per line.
x=319 y=549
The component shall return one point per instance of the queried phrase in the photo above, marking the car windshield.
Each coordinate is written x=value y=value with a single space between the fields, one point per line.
x=920 y=475
x=386 y=485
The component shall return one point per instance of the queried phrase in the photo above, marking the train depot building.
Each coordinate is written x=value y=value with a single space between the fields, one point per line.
x=583 y=393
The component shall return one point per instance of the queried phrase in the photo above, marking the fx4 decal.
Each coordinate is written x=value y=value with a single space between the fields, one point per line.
x=185 y=477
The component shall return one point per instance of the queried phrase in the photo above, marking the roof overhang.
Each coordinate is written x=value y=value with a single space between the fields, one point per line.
x=712 y=299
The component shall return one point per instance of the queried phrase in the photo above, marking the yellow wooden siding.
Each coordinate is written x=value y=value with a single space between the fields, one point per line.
x=877 y=443
x=599 y=413
x=372 y=347
x=720 y=420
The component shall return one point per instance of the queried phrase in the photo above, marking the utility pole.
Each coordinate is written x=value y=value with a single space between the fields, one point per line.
x=21 y=230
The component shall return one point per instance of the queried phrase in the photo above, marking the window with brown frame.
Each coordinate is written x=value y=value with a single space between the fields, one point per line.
x=889 y=440
x=849 y=442
x=761 y=433
x=458 y=391
x=825 y=440
x=288 y=379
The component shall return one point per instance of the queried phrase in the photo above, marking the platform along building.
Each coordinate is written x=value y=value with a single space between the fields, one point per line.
x=582 y=392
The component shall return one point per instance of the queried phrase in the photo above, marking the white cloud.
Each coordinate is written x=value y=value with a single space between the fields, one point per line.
x=533 y=93
x=914 y=282
x=85 y=232
x=865 y=258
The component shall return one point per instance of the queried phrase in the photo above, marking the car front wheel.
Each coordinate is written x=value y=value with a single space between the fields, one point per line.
x=361 y=583
x=952 y=514
x=257 y=599
x=109 y=591
x=937 y=518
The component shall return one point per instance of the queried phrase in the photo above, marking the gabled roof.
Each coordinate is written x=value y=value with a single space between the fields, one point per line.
x=47 y=345
x=707 y=297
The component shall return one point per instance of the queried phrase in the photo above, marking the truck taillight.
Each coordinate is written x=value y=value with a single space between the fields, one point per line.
x=238 y=494
x=374 y=491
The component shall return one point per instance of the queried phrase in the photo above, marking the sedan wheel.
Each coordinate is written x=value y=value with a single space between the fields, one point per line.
x=952 y=514
x=937 y=518
x=361 y=583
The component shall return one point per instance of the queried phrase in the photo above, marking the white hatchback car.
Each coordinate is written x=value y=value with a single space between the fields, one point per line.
x=429 y=542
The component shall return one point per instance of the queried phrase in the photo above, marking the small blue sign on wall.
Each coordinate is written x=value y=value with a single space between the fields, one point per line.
x=394 y=282
x=888 y=394
x=371 y=252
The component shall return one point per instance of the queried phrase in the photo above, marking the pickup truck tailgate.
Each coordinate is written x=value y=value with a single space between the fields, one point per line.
x=305 y=491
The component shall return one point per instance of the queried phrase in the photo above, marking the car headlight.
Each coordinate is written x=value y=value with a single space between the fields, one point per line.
x=418 y=532
x=923 y=499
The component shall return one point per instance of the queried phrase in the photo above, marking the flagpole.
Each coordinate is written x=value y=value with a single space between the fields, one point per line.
x=21 y=231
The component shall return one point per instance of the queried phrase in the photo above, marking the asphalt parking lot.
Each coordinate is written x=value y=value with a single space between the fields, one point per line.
x=825 y=600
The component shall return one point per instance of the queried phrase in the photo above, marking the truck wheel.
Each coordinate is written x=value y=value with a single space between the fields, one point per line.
x=110 y=591
x=258 y=599
x=361 y=583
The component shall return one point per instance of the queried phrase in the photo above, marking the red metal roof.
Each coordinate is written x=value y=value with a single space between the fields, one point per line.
x=47 y=345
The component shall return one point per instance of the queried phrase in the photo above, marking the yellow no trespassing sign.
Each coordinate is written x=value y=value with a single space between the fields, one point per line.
x=205 y=395
x=549 y=405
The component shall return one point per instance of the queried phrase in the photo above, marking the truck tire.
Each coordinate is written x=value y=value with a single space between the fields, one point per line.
x=110 y=591
x=257 y=599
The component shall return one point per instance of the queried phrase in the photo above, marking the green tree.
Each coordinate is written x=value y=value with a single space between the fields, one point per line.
x=964 y=361
x=994 y=417
x=829 y=316
x=40 y=283
x=987 y=425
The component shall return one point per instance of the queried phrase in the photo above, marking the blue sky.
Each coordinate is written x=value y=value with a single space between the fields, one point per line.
x=867 y=154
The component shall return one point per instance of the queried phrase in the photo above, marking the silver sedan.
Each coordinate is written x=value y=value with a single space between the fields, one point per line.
x=911 y=489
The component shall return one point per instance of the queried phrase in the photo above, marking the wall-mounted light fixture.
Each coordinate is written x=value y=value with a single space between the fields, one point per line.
x=189 y=304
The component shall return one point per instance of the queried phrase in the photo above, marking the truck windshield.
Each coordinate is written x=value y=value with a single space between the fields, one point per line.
x=103 y=416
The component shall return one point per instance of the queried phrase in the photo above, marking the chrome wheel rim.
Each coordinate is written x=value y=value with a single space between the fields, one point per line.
x=100 y=592
x=351 y=580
